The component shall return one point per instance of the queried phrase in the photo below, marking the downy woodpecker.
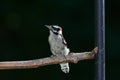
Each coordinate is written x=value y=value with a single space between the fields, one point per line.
x=58 y=45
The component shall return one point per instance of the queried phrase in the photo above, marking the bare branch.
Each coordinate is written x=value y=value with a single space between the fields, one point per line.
x=72 y=57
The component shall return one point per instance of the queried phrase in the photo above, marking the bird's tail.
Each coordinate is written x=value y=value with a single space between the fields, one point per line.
x=65 y=67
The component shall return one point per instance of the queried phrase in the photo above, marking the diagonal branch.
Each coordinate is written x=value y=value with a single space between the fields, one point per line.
x=72 y=57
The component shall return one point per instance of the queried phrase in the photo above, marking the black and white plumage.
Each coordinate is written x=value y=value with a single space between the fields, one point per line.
x=58 y=45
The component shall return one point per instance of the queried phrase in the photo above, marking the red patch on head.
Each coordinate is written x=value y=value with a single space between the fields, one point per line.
x=61 y=28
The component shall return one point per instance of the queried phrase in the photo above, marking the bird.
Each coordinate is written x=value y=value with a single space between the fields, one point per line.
x=58 y=45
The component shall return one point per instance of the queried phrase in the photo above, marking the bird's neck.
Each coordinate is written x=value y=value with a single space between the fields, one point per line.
x=56 y=33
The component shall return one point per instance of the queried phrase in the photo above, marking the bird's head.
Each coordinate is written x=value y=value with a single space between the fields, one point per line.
x=54 y=29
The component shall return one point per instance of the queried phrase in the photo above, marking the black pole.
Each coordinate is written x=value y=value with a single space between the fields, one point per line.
x=100 y=39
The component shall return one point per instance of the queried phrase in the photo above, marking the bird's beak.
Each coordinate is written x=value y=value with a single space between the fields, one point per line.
x=48 y=26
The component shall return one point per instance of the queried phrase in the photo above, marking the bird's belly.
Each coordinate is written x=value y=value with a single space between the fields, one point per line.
x=57 y=49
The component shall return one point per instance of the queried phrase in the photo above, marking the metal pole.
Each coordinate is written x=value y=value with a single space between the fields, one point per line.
x=100 y=39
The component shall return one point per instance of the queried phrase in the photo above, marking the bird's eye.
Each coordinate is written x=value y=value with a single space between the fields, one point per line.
x=56 y=29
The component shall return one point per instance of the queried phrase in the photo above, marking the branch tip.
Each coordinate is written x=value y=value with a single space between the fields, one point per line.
x=95 y=50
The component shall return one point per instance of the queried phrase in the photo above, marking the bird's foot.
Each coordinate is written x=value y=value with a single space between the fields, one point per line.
x=52 y=56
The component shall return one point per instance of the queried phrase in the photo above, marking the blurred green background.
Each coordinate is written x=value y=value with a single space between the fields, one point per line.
x=24 y=37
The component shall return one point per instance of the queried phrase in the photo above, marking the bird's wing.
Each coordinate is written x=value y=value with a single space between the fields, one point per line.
x=63 y=40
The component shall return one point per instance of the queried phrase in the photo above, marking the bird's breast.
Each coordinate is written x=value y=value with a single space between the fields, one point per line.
x=56 y=45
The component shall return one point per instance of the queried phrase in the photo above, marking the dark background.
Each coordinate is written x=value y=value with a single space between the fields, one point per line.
x=24 y=37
